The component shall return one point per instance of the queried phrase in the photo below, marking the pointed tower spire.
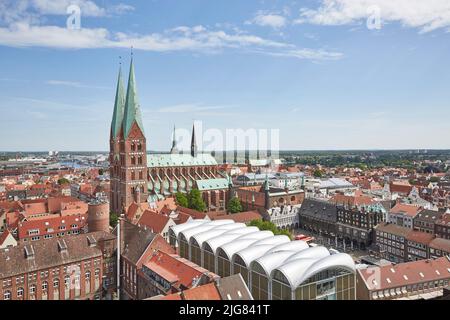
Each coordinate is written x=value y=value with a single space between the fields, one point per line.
x=132 y=111
x=119 y=105
x=174 y=149
x=193 y=143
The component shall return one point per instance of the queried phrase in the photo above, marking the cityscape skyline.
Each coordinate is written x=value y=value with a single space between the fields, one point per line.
x=202 y=67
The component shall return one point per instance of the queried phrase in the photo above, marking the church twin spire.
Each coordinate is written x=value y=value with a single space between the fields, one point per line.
x=127 y=110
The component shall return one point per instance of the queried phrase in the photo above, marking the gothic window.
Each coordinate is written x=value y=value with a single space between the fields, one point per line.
x=133 y=147
x=133 y=160
x=141 y=176
x=139 y=146
x=133 y=175
x=132 y=190
x=140 y=160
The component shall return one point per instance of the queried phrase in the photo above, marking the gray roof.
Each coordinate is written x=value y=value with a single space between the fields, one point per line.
x=318 y=209
x=233 y=288
x=428 y=216
x=134 y=240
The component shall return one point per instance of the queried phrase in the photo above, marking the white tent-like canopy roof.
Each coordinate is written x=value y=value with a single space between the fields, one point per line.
x=300 y=270
x=231 y=248
x=188 y=233
x=203 y=236
x=190 y=224
x=273 y=260
x=310 y=253
x=252 y=253
x=216 y=242
x=291 y=246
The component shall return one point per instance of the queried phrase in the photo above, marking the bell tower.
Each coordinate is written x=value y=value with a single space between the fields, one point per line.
x=129 y=151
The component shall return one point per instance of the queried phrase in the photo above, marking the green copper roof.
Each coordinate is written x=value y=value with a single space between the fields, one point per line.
x=211 y=184
x=132 y=108
x=119 y=105
x=180 y=160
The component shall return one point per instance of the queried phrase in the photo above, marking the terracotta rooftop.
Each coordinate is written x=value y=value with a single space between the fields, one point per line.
x=406 y=209
x=403 y=274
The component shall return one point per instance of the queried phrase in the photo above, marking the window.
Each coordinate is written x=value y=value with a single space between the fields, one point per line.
x=33 y=289
x=7 y=295
x=44 y=286
x=56 y=284
x=20 y=293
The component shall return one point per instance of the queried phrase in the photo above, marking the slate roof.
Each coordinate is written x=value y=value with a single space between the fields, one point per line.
x=318 y=209
x=134 y=240
x=233 y=288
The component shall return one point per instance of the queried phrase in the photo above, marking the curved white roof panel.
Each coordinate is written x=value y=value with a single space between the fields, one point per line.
x=291 y=246
x=188 y=233
x=298 y=271
x=199 y=238
x=258 y=235
x=231 y=248
x=190 y=224
x=251 y=253
x=273 y=260
x=339 y=260
x=216 y=242
x=274 y=241
x=310 y=253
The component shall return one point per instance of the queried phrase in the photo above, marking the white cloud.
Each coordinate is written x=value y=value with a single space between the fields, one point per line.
x=275 y=21
x=196 y=39
x=426 y=15
x=73 y=84
x=197 y=109
x=309 y=54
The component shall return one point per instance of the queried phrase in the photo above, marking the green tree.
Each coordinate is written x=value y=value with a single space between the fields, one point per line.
x=182 y=199
x=318 y=173
x=113 y=219
x=270 y=226
x=234 y=205
x=63 y=181
x=195 y=200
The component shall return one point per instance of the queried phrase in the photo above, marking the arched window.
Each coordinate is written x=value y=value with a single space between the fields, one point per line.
x=20 y=293
x=33 y=289
x=56 y=284
x=141 y=176
x=140 y=160
x=139 y=146
x=133 y=175
x=44 y=286
x=7 y=295
x=133 y=160
x=133 y=147
x=67 y=282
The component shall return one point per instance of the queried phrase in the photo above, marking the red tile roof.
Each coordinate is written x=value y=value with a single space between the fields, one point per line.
x=403 y=274
x=406 y=209
x=205 y=292
x=180 y=272
x=243 y=217
x=154 y=221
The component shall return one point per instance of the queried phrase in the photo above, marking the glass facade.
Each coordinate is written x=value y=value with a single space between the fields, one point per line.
x=184 y=248
x=260 y=283
x=239 y=267
x=223 y=264
x=196 y=254
x=209 y=262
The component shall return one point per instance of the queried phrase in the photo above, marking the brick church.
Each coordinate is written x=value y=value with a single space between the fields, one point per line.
x=138 y=177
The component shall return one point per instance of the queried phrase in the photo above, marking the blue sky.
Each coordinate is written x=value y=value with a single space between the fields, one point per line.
x=312 y=69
